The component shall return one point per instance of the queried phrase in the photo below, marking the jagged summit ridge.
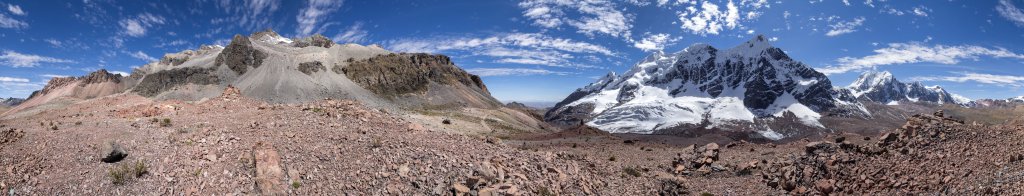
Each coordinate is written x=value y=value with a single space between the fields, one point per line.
x=883 y=87
x=705 y=87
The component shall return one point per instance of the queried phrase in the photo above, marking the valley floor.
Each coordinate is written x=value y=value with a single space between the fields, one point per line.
x=236 y=146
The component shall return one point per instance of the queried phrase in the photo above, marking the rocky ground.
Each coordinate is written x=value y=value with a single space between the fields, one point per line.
x=237 y=146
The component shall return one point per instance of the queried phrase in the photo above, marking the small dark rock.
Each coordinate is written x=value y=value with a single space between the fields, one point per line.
x=840 y=139
x=446 y=121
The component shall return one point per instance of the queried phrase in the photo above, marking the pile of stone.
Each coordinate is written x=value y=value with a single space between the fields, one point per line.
x=699 y=160
x=930 y=154
x=10 y=135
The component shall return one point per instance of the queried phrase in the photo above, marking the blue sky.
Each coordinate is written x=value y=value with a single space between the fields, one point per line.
x=537 y=50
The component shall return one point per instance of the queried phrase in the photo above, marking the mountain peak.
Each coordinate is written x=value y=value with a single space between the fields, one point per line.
x=698 y=47
x=870 y=79
x=269 y=36
x=753 y=46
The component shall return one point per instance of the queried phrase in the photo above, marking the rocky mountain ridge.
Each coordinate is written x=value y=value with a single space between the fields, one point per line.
x=704 y=87
x=269 y=67
x=882 y=87
x=10 y=101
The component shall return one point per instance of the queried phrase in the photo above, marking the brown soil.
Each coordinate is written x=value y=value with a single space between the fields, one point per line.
x=235 y=145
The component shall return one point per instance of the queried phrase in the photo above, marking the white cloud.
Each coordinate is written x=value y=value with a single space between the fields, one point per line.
x=54 y=76
x=11 y=79
x=16 y=59
x=518 y=48
x=523 y=56
x=905 y=53
x=594 y=16
x=921 y=11
x=1011 y=12
x=11 y=23
x=655 y=42
x=484 y=72
x=120 y=73
x=18 y=87
x=354 y=34
x=53 y=42
x=136 y=27
x=15 y=9
x=846 y=2
x=844 y=27
x=708 y=19
x=250 y=14
x=179 y=42
x=529 y=40
x=976 y=77
x=315 y=12
x=142 y=55
x=133 y=28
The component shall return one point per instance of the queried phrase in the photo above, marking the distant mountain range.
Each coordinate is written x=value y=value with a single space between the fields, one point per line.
x=704 y=87
x=882 y=87
x=753 y=86
x=11 y=101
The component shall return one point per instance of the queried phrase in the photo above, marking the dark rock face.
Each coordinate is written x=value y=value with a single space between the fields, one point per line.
x=315 y=40
x=240 y=54
x=759 y=75
x=516 y=105
x=309 y=68
x=396 y=74
x=173 y=61
x=153 y=84
x=100 y=76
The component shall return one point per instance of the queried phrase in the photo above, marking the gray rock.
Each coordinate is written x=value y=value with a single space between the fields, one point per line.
x=117 y=153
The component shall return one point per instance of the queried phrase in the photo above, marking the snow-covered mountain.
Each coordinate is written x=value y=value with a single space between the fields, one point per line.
x=10 y=101
x=882 y=87
x=704 y=87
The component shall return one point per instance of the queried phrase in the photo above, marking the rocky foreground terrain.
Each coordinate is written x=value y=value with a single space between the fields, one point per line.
x=239 y=146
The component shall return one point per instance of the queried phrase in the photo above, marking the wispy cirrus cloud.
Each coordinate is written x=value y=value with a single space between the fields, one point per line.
x=314 y=13
x=141 y=55
x=484 y=72
x=16 y=59
x=17 y=87
x=54 y=76
x=655 y=42
x=248 y=14
x=12 y=79
x=16 y=10
x=137 y=26
x=517 y=48
x=11 y=23
x=845 y=27
x=354 y=34
x=1002 y=80
x=1011 y=12
x=590 y=17
x=916 y=52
